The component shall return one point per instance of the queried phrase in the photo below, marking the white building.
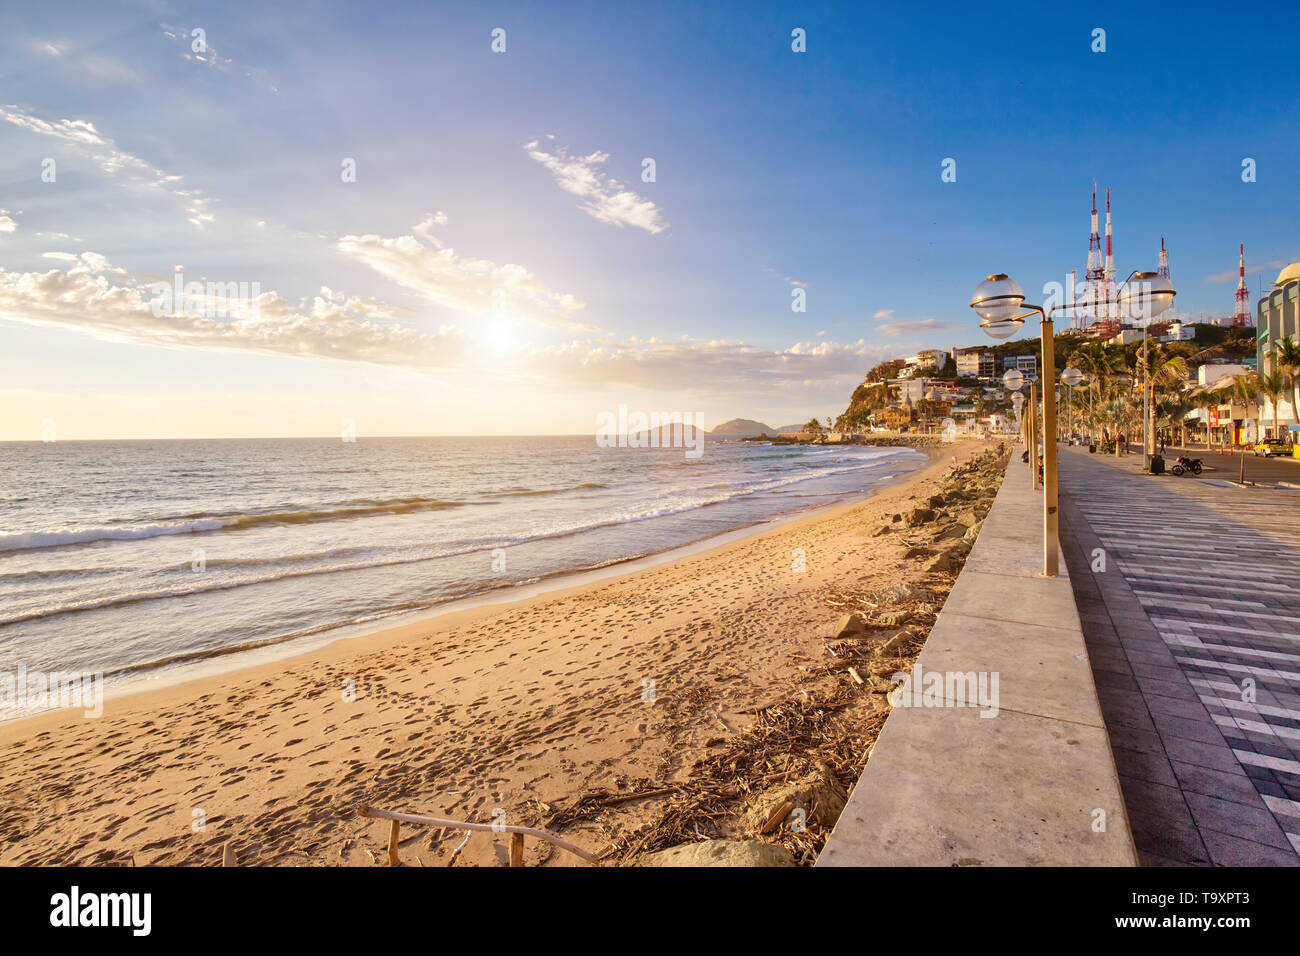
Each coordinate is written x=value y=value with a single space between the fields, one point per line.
x=1177 y=332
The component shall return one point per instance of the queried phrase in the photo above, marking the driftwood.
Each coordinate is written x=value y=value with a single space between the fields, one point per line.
x=516 y=847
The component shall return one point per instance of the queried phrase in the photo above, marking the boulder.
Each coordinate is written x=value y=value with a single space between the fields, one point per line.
x=818 y=794
x=917 y=552
x=720 y=853
x=943 y=561
x=918 y=515
x=968 y=518
x=898 y=594
x=850 y=625
x=894 y=646
x=893 y=619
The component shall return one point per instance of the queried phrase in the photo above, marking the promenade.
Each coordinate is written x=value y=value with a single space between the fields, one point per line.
x=1193 y=629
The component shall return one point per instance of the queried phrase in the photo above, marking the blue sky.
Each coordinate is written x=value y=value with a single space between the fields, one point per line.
x=471 y=292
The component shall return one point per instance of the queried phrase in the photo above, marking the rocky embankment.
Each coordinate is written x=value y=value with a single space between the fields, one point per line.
x=903 y=441
x=778 y=787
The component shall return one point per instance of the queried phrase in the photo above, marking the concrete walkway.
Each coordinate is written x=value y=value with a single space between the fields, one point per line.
x=1029 y=781
x=1198 y=598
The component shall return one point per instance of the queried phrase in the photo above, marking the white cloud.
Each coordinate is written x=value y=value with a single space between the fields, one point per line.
x=475 y=287
x=911 y=326
x=82 y=135
x=719 y=366
x=329 y=325
x=7 y=224
x=604 y=198
x=796 y=282
x=884 y=314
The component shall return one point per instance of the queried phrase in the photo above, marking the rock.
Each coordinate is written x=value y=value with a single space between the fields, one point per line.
x=883 y=529
x=968 y=518
x=973 y=532
x=893 y=619
x=879 y=685
x=917 y=552
x=951 y=531
x=850 y=625
x=918 y=515
x=940 y=562
x=898 y=594
x=819 y=795
x=896 y=518
x=720 y=853
x=894 y=646
x=936 y=501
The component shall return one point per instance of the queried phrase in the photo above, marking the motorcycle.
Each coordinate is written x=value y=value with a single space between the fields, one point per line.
x=1183 y=464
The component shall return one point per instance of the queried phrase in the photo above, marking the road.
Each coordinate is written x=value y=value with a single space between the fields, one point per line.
x=1263 y=470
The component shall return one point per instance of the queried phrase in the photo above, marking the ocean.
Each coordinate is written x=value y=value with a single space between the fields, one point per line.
x=142 y=559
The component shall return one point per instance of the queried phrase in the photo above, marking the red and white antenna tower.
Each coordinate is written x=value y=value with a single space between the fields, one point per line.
x=1164 y=260
x=1111 y=291
x=1242 y=315
x=1094 y=275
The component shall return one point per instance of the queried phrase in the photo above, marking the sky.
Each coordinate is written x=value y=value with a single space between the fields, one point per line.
x=438 y=219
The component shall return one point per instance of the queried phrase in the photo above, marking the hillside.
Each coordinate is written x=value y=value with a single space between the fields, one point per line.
x=742 y=428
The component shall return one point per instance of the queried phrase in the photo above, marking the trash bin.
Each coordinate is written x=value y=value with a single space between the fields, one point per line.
x=1157 y=465
x=1092 y=449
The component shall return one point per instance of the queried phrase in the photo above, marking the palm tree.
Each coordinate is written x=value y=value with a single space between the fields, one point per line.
x=1205 y=397
x=1174 y=408
x=1287 y=357
x=1273 y=385
x=1246 y=390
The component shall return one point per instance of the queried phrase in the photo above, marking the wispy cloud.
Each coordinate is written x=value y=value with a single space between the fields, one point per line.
x=82 y=136
x=470 y=287
x=1232 y=275
x=910 y=327
x=603 y=197
x=199 y=50
x=6 y=223
x=884 y=314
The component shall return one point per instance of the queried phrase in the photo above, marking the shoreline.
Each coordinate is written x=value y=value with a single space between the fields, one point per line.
x=229 y=662
x=453 y=714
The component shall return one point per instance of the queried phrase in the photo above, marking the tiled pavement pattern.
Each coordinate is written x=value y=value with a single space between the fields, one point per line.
x=1201 y=592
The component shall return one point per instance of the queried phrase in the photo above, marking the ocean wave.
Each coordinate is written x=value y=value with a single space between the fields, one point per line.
x=201 y=523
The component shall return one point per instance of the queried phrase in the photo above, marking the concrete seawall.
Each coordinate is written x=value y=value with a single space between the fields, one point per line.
x=1023 y=776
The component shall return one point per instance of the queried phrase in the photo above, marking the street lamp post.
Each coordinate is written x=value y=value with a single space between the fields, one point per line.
x=1153 y=295
x=999 y=300
x=1070 y=378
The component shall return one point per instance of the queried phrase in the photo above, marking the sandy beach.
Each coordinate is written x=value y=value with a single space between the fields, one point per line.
x=511 y=712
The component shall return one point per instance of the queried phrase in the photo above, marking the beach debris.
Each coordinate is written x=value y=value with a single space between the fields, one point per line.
x=857 y=678
x=397 y=819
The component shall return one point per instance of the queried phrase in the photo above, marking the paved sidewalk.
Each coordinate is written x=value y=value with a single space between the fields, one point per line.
x=1200 y=595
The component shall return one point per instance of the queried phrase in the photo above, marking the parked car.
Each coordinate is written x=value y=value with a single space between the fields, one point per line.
x=1272 y=446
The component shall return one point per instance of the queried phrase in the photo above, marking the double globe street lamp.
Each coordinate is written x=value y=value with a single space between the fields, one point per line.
x=1001 y=305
